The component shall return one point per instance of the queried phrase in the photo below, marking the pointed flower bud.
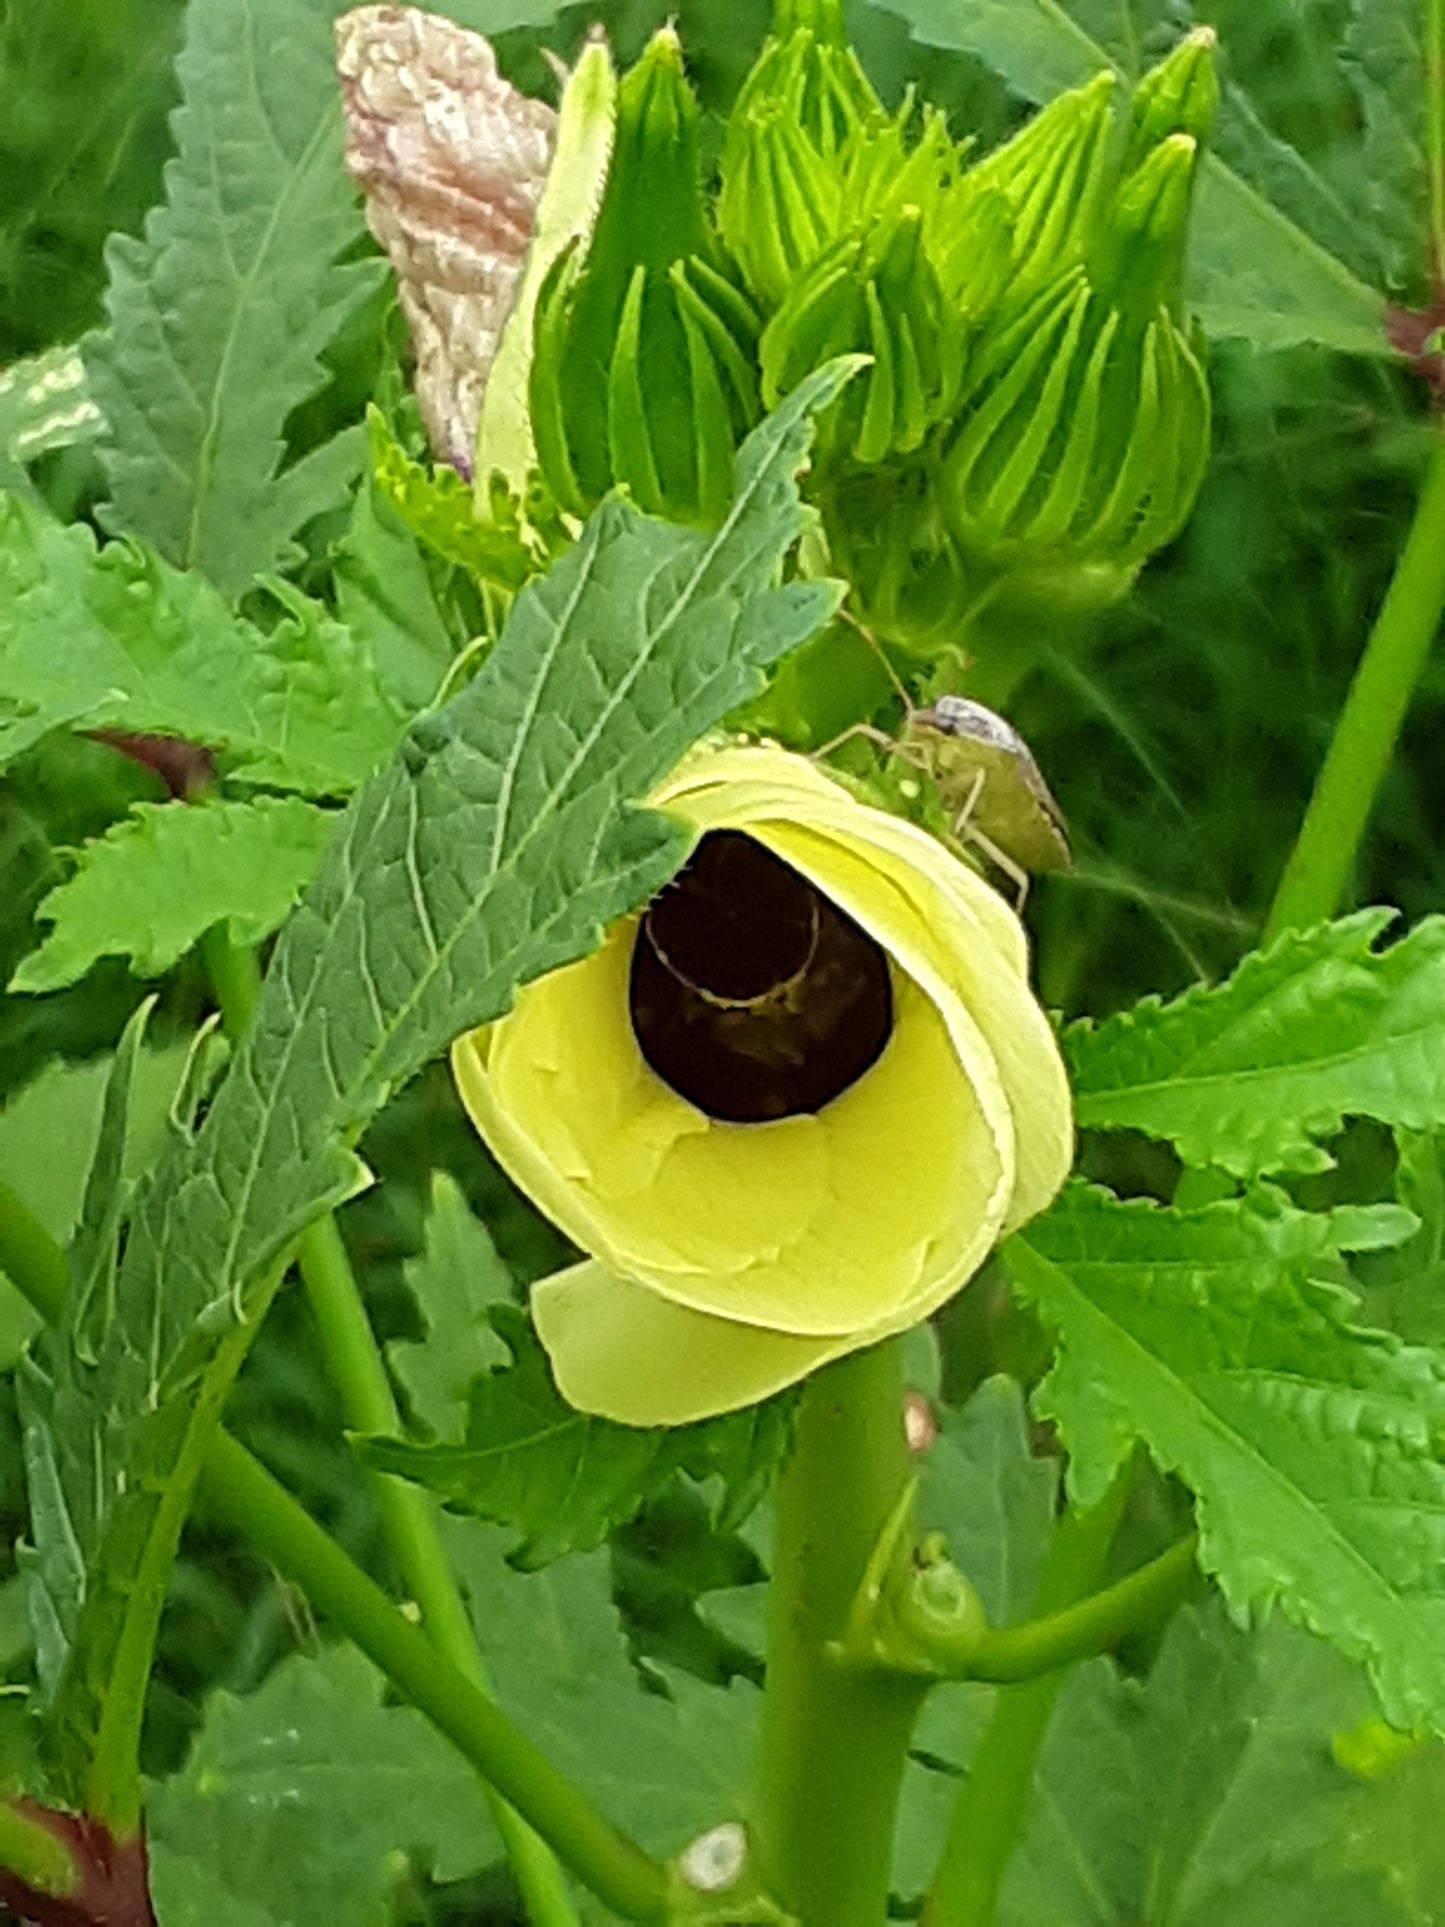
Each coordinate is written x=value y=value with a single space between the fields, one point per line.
x=1179 y=96
x=643 y=366
x=1052 y=177
x=1085 y=423
x=795 y=118
x=880 y=295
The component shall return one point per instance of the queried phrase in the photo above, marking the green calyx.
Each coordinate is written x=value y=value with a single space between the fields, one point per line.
x=1051 y=178
x=1179 y=96
x=643 y=371
x=798 y=117
x=1083 y=430
x=877 y=294
x=1083 y=446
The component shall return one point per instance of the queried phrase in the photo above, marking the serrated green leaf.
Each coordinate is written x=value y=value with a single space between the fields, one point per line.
x=151 y=886
x=560 y=1477
x=455 y=1282
x=1253 y=273
x=1405 y=1288
x=1316 y=1449
x=663 y=1766
x=148 y=648
x=444 y=512
x=307 y=1801
x=386 y=598
x=497 y=846
x=218 y=317
x=44 y=404
x=1251 y=1074
x=1205 y=1793
x=55 y=1560
x=1386 y=57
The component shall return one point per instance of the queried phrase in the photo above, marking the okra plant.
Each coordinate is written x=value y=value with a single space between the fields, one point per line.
x=636 y=1286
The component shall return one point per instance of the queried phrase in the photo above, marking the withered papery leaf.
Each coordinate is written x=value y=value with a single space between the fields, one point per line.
x=452 y=161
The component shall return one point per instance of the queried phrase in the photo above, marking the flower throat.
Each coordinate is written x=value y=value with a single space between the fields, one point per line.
x=751 y=994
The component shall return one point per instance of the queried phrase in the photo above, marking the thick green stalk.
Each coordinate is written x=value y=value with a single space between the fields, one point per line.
x=408 y=1512
x=266 y=1515
x=1319 y=867
x=1435 y=132
x=834 y=1741
x=989 y=1811
x=618 y=1872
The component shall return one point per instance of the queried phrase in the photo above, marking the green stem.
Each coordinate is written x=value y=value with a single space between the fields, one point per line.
x=834 y=1741
x=263 y=1512
x=1097 y=1624
x=409 y=1515
x=988 y=1813
x=1318 y=870
x=618 y=1872
x=31 y=1259
x=1434 y=81
x=36 y=1856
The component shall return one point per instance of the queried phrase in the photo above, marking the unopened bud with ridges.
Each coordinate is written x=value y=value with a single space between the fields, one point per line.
x=781 y=200
x=1179 y=96
x=878 y=295
x=643 y=371
x=1052 y=176
x=1084 y=428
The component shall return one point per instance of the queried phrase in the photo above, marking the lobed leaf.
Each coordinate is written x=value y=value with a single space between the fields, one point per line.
x=310 y=1799
x=156 y=882
x=1249 y=1075
x=456 y=1281
x=151 y=649
x=1316 y=1449
x=563 y=1479
x=663 y=1765
x=496 y=846
x=219 y=315
x=1203 y=1793
x=1253 y=273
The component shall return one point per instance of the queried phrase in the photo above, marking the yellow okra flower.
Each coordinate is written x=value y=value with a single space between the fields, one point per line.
x=788 y=1110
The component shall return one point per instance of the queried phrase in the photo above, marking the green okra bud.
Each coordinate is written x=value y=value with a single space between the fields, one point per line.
x=880 y=295
x=1052 y=177
x=643 y=371
x=1179 y=96
x=796 y=118
x=1084 y=428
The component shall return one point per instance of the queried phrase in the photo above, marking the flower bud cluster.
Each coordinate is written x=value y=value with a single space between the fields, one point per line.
x=1035 y=388
x=1032 y=422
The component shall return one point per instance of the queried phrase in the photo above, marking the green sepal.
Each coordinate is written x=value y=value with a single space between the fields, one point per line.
x=877 y=295
x=643 y=353
x=1137 y=258
x=887 y=534
x=1179 y=96
x=796 y=119
x=1053 y=176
